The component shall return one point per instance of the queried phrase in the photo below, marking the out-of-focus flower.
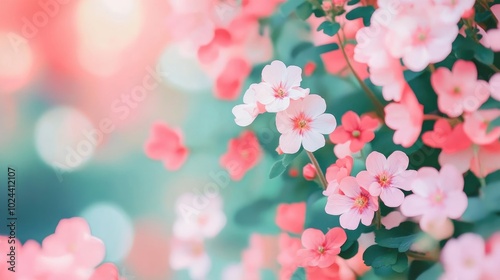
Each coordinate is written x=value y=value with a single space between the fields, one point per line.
x=190 y=254
x=358 y=131
x=321 y=249
x=242 y=155
x=245 y=114
x=261 y=253
x=452 y=11
x=287 y=257
x=463 y=258
x=437 y=196
x=167 y=144
x=476 y=126
x=340 y=169
x=495 y=86
x=387 y=177
x=459 y=90
x=279 y=85
x=309 y=68
x=309 y=172
x=291 y=217
x=229 y=83
x=481 y=160
x=106 y=271
x=354 y=204
x=406 y=118
x=303 y=123
x=444 y=136
x=393 y=219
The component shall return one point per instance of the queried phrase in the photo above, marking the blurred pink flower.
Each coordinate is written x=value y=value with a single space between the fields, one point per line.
x=201 y=223
x=463 y=258
x=242 y=155
x=167 y=144
x=106 y=271
x=444 y=136
x=476 y=126
x=291 y=217
x=73 y=238
x=451 y=11
x=287 y=257
x=354 y=204
x=495 y=86
x=481 y=160
x=387 y=177
x=340 y=169
x=437 y=196
x=355 y=129
x=393 y=219
x=309 y=172
x=245 y=114
x=406 y=118
x=303 y=123
x=229 y=83
x=321 y=249
x=279 y=85
x=459 y=90
x=261 y=253
x=391 y=78
x=190 y=254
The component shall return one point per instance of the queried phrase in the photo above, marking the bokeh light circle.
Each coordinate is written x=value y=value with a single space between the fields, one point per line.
x=16 y=62
x=113 y=226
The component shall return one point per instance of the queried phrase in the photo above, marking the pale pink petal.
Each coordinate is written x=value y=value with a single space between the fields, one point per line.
x=273 y=73
x=393 y=219
x=290 y=142
x=297 y=93
x=314 y=105
x=264 y=93
x=364 y=178
x=338 y=204
x=495 y=86
x=426 y=181
x=324 y=124
x=392 y=197
x=284 y=123
x=312 y=238
x=461 y=160
x=414 y=205
x=350 y=187
x=312 y=141
x=450 y=179
x=350 y=219
x=397 y=162
x=455 y=203
x=292 y=77
x=439 y=227
x=375 y=163
x=244 y=114
x=278 y=105
x=367 y=217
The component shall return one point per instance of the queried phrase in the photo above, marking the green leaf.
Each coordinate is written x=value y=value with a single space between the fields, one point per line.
x=432 y=273
x=299 y=274
x=304 y=10
x=353 y=2
x=483 y=54
x=377 y=256
x=410 y=75
x=402 y=263
x=491 y=196
x=476 y=210
x=401 y=237
x=329 y=28
x=288 y=158
x=364 y=12
x=289 y=6
x=350 y=252
x=493 y=124
x=277 y=169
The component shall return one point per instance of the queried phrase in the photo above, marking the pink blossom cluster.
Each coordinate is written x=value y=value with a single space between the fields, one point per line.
x=300 y=116
x=71 y=252
x=195 y=223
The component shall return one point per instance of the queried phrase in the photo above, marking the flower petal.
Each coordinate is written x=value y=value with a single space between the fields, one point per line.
x=312 y=238
x=324 y=123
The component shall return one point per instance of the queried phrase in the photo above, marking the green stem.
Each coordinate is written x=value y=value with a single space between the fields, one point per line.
x=494 y=68
x=321 y=176
x=422 y=256
x=378 y=218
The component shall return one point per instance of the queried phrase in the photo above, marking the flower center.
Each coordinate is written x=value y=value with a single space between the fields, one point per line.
x=280 y=93
x=384 y=180
x=356 y=133
x=456 y=90
x=321 y=249
x=361 y=201
x=301 y=123
x=438 y=197
x=421 y=35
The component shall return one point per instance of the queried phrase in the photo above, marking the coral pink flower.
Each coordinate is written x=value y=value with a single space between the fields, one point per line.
x=261 y=253
x=354 y=204
x=340 y=169
x=309 y=172
x=391 y=78
x=481 y=161
x=287 y=257
x=279 y=85
x=190 y=254
x=320 y=249
x=459 y=90
x=198 y=223
x=386 y=177
x=309 y=68
x=303 y=123
x=444 y=136
x=357 y=130
x=167 y=144
x=245 y=114
x=476 y=126
x=291 y=217
x=436 y=196
x=230 y=81
x=495 y=86
x=243 y=154
x=106 y=271
x=72 y=237
x=406 y=118
x=463 y=258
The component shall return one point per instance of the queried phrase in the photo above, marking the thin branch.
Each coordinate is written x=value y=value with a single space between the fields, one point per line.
x=320 y=173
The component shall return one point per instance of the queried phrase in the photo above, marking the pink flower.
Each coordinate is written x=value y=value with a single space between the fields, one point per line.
x=291 y=217
x=245 y=114
x=72 y=238
x=106 y=271
x=279 y=85
x=436 y=196
x=340 y=169
x=261 y=253
x=287 y=257
x=444 y=136
x=386 y=177
x=495 y=86
x=167 y=144
x=192 y=222
x=309 y=172
x=393 y=219
x=463 y=258
x=482 y=160
x=230 y=81
x=303 y=123
x=354 y=204
x=476 y=126
x=190 y=254
x=320 y=249
x=451 y=11
x=459 y=90
x=243 y=154
x=406 y=118
x=358 y=131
